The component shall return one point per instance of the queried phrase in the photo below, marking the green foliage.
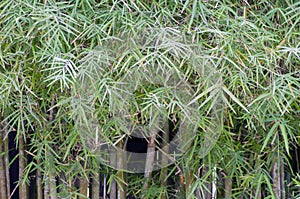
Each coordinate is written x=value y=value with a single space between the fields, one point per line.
x=46 y=46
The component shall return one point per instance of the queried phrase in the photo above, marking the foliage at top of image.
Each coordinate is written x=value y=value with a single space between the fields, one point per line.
x=253 y=45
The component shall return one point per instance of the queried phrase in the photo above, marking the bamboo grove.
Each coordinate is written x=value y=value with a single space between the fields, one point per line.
x=253 y=46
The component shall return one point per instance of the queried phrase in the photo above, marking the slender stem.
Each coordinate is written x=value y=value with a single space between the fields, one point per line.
x=113 y=190
x=276 y=178
x=282 y=176
x=165 y=149
x=120 y=162
x=228 y=187
x=51 y=181
x=149 y=160
x=113 y=185
x=104 y=187
x=2 y=168
x=6 y=158
x=96 y=187
x=207 y=192
x=39 y=183
x=23 y=194
x=83 y=188
x=214 y=183
x=46 y=187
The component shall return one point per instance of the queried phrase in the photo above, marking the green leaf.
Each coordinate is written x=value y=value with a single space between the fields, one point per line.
x=285 y=137
x=270 y=134
x=236 y=100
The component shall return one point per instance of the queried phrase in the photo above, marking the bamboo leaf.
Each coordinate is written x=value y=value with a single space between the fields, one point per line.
x=285 y=137
x=236 y=100
x=269 y=135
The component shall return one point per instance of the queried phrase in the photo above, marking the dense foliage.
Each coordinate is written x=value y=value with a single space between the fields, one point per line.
x=252 y=45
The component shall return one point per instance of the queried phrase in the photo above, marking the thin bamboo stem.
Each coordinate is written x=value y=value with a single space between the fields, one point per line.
x=6 y=158
x=96 y=186
x=165 y=149
x=113 y=185
x=149 y=160
x=228 y=187
x=2 y=168
x=51 y=181
x=23 y=193
x=276 y=178
x=120 y=162
x=282 y=176
x=83 y=188
x=39 y=185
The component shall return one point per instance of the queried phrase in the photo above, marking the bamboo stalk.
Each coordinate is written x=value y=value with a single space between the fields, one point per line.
x=282 y=184
x=188 y=181
x=259 y=193
x=113 y=185
x=95 y=186
x=164 y=162
x=46 y=187
x=197 y=191
x=83 y=188
x=23 y=191
x=120 y=162
x=149 y=160
x=6 y=158
x=207 y=192
x=214 y=183
x=3 y=193
x=228 y=187
x=2 y=178
x=276 y=178
x=84 y=185
x=113 y=190
x=6 y=164
x=104 y=187
x=181 y=181
x=50 y=185
x=39 y=185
